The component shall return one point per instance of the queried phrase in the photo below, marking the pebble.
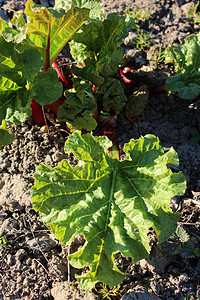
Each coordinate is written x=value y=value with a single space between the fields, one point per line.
x=42 y=241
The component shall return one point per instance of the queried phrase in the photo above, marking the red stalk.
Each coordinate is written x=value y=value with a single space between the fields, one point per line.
x=47 y=58
x=37 y=113
x=54 y=106
x=60 y=73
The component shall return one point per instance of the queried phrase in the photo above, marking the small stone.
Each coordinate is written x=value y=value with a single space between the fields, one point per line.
x=42 y=242
x=8 y=225
x=29 y=261
x=18 y=265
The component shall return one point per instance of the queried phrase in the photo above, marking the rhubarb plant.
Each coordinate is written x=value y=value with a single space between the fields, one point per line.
x=26 y=56
x=96 y=49
x=112 y=203
x=186 y=59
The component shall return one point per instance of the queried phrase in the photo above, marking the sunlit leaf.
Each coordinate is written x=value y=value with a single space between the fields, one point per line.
x=111 y=203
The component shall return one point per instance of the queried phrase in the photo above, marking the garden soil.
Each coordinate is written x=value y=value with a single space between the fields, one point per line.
x=33 y=264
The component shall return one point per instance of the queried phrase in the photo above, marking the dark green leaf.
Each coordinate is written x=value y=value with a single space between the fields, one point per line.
x=136 y=103
x=46 y=88
x=111 y=95
x=78 y=109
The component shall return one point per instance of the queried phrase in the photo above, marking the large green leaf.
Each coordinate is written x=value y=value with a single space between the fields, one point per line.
x=50 y=30
x=186 y=59
x=5 y=136
x=111 y=203
x=188 y=87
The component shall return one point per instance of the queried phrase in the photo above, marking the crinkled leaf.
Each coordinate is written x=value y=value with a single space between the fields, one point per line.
x=186 y=59
x=88 y=73
x=5 y=137
x=102 y=41
x=17 y=114
x=84 y=120
x=10 y=108
x=111 y=95
x=13 y=35
x=50 y=30
x=78 y=108
x=91 y=36
x=46 y=88
x=8 y=105
x=111 y=203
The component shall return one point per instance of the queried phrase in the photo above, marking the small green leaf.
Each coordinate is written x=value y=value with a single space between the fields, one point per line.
x=186 y=59
x=78 y=108
x=111 y=203
x=5 y=137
